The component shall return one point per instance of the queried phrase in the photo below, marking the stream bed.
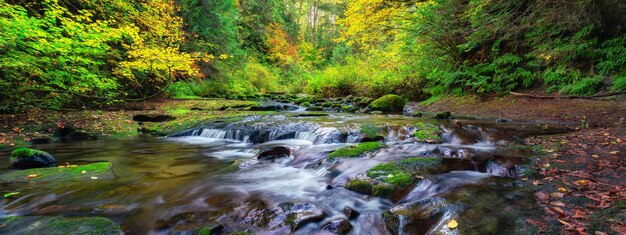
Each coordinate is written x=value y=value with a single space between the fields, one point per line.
x=272 y=175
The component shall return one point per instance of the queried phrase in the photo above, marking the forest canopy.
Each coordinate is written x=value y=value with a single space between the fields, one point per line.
x=86 y=53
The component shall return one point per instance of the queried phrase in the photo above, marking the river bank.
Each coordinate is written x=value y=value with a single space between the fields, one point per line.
x=582 y=187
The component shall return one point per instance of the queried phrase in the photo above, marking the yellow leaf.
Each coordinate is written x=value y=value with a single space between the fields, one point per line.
x=452 y=224
x=562 y=189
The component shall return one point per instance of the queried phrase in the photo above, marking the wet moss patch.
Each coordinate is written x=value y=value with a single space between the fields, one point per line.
x=421 y=165
x=428 y=133
x=60 y=225
x=355 y=151
x=101 y=170
x=391 y=174
x=360 y=185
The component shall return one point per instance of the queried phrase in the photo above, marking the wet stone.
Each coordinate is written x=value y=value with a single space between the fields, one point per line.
x=338 y=226
x=350 y=212
x=274 y=153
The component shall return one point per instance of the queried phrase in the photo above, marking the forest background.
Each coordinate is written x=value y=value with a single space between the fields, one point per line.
x=57 y=54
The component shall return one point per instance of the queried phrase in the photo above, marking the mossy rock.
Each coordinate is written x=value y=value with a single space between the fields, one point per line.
x=428 y=133
x=360 y=185
x=358 y=150
x=305 y=104
x=388 y=103
x=60 y=225
x=421 y=165
x=315 y=108
x=443 y=115
x=383 y=190
x=391 y=174
x=23 y=158
x=371 y=133
x=101 y=170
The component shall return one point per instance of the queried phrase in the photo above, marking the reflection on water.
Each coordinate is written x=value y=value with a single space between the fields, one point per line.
x=210 y=174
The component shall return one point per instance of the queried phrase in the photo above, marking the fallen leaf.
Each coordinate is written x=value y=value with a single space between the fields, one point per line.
x=557 y=203
x=557 y=195
x=562 y=189
x=11 y=194
x=94 y=177
x=581 y=183
x=614 y=152
x=31 y=176
x=547 y=165
x=595 y=156
x=578 y=214
x=564 y=222
x=83 y=172
x=452 y=224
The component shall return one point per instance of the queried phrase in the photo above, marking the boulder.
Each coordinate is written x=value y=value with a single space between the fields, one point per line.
x=25 y=158
x=388 y=103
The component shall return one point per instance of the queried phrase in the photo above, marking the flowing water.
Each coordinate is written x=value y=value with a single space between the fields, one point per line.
x=210 y=175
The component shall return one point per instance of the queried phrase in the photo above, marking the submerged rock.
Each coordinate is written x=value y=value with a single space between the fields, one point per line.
x=59 y=225
x=25 y=158
x=285 y=216
x=338 y=226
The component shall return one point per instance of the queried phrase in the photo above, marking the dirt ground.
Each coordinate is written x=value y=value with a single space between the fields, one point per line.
x=581 y=178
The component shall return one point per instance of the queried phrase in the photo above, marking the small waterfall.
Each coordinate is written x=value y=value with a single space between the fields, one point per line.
x=305 y=135
x=272 y=135
x=230 y=134
x=498 y=169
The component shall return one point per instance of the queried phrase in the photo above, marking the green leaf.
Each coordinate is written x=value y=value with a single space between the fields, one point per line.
x=6 y=195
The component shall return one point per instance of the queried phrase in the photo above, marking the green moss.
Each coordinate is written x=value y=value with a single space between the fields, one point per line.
x=306 y=104
x=100 y=170
x=388 y=103
x=93 y=225
x=443 y=115
x=315 y=108
x=10 y=219
x=327 y=104
x=428 y=133
x=24 y=153
x=383 y=190
x=391 y=174
x=359 y=185
x=371 y=131
x=356 y=150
